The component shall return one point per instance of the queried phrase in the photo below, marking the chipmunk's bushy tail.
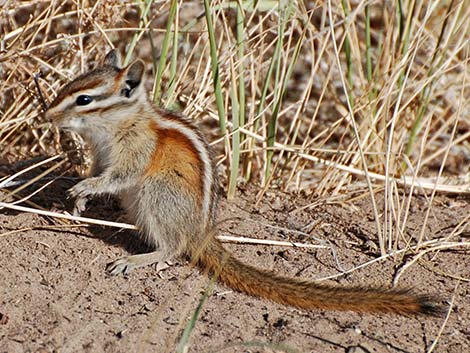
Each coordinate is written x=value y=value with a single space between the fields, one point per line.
x=308 y=295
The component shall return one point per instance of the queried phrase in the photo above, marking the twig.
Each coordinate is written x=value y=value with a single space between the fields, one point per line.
x=41 y=97
x=442 y=246
x=7 y=181
x=229 y=238
x=133 y=227
x=441 y=329
x=65 y=216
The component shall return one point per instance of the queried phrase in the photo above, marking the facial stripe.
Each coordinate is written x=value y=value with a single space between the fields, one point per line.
x=104 y=108
x=101 y=99
x=69 y=91
x=92 y=83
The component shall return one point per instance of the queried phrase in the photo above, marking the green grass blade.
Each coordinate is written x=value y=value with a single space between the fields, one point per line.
x=347 y=46
x=142 y=23
x=426 y=92
x=215 y=70
x=164 y=52
x=278 y=92
x=238 y=106
x=173 y=65
x=368 y=45
x=405 y=33
x=262 y=102
x=234 y=167
x=183 y=343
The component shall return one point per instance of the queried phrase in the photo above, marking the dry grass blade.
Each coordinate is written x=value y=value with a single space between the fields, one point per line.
x=444 y=323
x=69 y=217
x=86 y=220
x=434 y=245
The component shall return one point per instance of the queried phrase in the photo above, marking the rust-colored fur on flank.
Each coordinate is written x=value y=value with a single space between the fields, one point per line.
x=176 y=157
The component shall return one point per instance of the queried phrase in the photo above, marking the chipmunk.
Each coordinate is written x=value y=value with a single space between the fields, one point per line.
x=161 y=167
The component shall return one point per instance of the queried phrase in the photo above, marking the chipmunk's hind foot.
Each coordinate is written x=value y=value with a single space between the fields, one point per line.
x=126 y=264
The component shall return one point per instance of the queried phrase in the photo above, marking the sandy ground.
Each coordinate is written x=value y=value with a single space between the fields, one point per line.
x=56 y=297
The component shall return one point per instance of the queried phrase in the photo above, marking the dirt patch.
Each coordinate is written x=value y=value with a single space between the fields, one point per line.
x=56 y=297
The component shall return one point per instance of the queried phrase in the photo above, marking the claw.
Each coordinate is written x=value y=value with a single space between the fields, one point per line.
x=71 y=193
x=122 y=265
x=126 y=264
x=80 y=206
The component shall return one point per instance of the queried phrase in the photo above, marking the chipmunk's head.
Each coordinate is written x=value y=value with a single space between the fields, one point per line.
x=97 y=99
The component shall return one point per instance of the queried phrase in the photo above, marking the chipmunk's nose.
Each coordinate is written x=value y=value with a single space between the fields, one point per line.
x=50 y=115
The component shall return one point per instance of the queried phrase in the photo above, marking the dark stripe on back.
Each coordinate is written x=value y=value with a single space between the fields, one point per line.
x=215 y=186
x=181 y=119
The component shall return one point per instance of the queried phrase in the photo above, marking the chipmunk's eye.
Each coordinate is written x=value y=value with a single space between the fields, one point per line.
x=126 y=92
x=83 y=100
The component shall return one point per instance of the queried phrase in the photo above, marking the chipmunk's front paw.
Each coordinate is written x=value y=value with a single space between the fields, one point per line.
x=80 y=206
x=81 y=192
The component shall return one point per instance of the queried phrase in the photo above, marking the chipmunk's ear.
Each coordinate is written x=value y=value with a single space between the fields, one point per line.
x=134 y=74
x=113 y=58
